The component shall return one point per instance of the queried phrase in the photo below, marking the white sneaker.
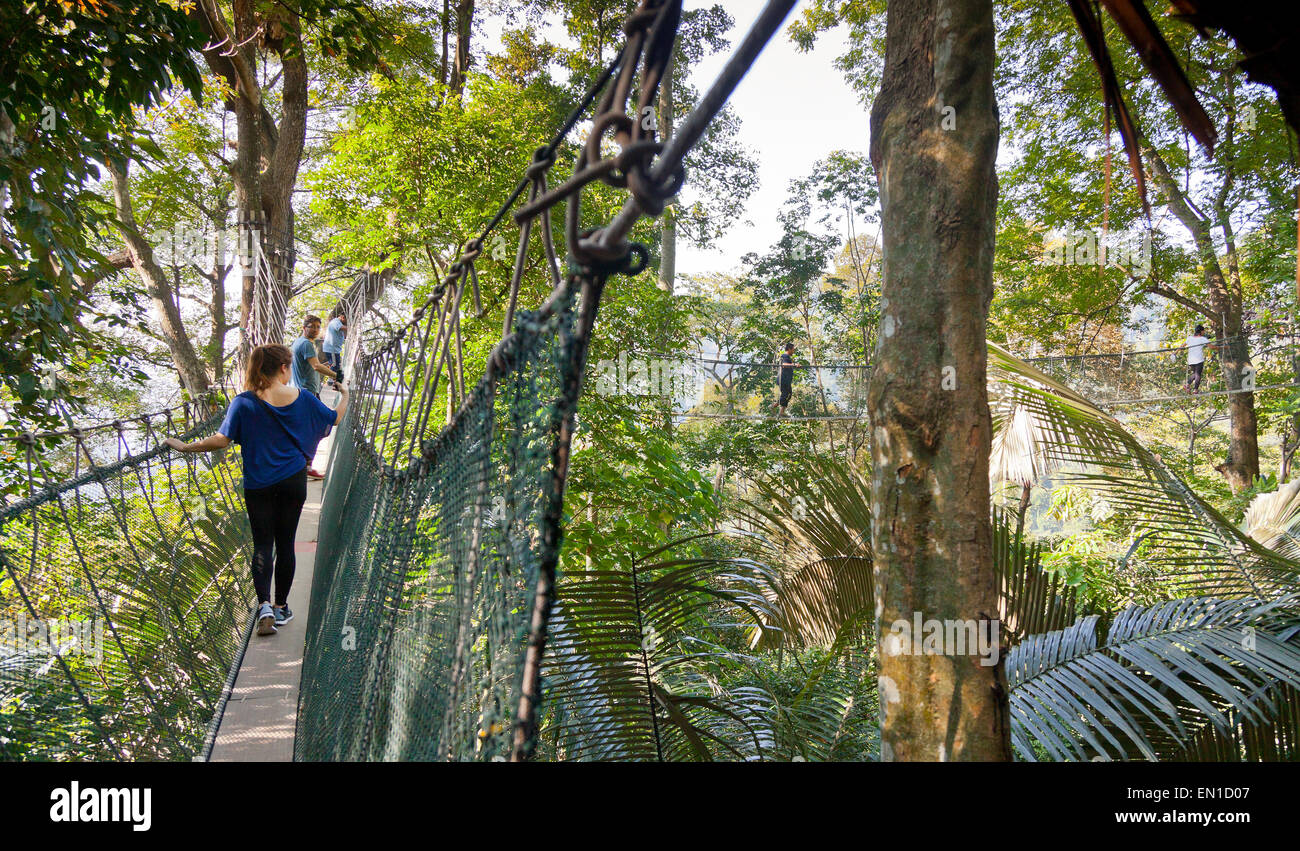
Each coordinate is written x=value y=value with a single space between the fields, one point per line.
x=266 y=620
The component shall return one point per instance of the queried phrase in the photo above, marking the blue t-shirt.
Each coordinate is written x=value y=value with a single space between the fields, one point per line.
x=269 y=454
x=334 y=335
x=304 y=377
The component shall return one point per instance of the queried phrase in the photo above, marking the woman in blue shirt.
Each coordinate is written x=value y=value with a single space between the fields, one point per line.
x=277 y=427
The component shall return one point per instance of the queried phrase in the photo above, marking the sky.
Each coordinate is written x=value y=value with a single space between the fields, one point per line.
x=795 y=109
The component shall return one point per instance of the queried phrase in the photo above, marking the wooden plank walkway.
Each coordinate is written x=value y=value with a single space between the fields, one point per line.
x=259 y=720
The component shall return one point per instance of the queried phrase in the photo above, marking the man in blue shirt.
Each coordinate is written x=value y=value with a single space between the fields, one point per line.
x=307 y=368
x=335 y=332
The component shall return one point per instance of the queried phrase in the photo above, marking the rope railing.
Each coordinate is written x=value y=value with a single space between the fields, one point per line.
x=1163 y=375
x=690 y=386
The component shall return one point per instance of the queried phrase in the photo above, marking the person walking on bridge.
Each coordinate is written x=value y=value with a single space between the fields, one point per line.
x=307 y=368
x=785 y=379
x=277 y=427
x=335 y=333
x=1196 y=358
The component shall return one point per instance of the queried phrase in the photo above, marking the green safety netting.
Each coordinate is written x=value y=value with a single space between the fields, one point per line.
x=426 y=571
x=124 y=595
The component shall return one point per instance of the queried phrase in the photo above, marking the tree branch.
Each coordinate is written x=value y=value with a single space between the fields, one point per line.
x=1173 y=197
x=241 y=77
x=1174 y=295
x=114 y=263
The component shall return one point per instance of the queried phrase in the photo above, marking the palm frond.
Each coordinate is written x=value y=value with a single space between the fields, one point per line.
x=627 y=675
x=1019 y=452
x=826 y=584
x=1188 y=542
x=1030 y=599
x=1274 y=740
x=1161 y=674
x=816 y=523
x=1272 y=520
x=819 y=722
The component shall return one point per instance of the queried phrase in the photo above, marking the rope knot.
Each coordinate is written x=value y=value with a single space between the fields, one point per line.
x=651 y=196
x=640 y=20
x=623 y=258
x=543 y=159
x=27 y=439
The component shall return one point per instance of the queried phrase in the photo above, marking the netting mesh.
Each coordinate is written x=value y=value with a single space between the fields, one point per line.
x=1120 y=376
x=124 y=598
x=1160 y=374
x=427 y=570
x=710 y=387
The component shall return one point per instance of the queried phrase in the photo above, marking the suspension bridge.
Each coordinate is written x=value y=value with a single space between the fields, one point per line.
x=428 y=559
x=1132 y=379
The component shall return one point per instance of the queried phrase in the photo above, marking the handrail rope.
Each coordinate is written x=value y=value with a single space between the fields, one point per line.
x=108 y=425
x=1102 y=404
x=1026 y=359
x=185 y=407
x=36 y=498
x=1189 y=396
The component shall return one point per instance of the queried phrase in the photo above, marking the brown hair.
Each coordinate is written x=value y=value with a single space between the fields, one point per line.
x=309 y=320
x=264 y=364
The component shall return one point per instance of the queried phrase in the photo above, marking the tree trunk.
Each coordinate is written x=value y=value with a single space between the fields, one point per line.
x=268 y=156
x=1242 y=465
x=246 y=171
x=1224 y=310
x=284 y=157
x=1295 y=324
x=217 y=344
x=934 y=134
x=193 y=376
x=236 y=64
x=464 y=28
x=6 y=143
x=668 y=221
x=446 y=31
x=215 y=350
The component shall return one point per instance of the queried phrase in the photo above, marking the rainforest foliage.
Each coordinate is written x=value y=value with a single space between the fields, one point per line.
x=717 y=592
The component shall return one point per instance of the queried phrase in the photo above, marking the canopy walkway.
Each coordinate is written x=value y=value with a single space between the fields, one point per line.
x=439 y=536
x=693 y=387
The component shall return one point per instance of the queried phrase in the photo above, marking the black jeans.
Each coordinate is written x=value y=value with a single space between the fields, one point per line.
x=273 y=513
x=335 y=362
x=1194 y=372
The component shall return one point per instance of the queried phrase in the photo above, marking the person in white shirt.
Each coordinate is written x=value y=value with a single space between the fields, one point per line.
x=1196 y=358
